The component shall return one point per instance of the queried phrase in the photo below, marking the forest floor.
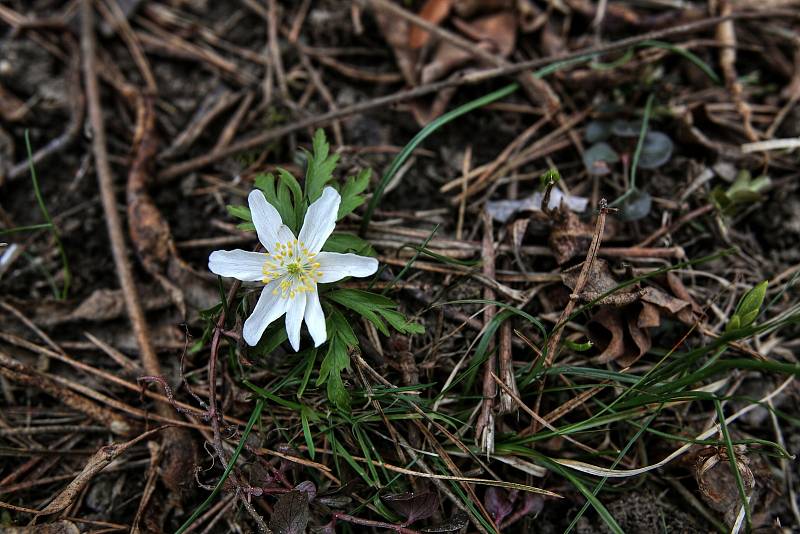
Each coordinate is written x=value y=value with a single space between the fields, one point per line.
x=587 y=221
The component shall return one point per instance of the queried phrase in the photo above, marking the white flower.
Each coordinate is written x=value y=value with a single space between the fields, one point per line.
x=291 y=268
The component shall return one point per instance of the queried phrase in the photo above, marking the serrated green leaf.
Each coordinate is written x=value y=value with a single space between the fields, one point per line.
x=360 y=298
x=375 y=308
x=288 y=181
x=339 y=327
x=351 y=192
x=400 y=323
x=320 y=166
x=246 y=227
x=335 y=361
x=240 y=212
x=266 y=183
x=337 y=393
x=344 y=242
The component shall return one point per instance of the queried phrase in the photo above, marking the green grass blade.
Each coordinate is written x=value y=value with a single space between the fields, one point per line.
x=46 y=215
x=726 y=436
x=424 y=134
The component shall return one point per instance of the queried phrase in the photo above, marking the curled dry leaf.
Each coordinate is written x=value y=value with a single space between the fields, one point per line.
x=620 y=328
x=434 y=11
x=499 y=30
x=600 y=281
x=395 y=31
x=717 y=482
x=495 y=33
x=570 y=237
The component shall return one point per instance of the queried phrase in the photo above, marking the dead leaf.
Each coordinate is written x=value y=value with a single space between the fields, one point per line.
x=434 y=11
x=500 y=30
x=468 y=8
x=446 y=59
x=569 y=238
x=290 y=515
x=679 y=308
x=600 y=281
x=178 y=461
x=12 y=108
x=717 y=483
x=413 y=506
x=148 y=229
x=396 y=31
x=620 y=328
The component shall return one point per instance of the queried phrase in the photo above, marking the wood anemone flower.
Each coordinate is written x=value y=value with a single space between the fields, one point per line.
x=291 y=268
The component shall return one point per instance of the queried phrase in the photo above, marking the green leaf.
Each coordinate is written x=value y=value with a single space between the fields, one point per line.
x=375 y=308
x=336 y=360
x=400 y=323
x=320 y=166
x=246 y=227
x=288 y=183
x=339 y=326
x=285 y=195
x=744 y=190
x=240 y=212
x=748 y=308
x=578 y=347
x=351 y=192
x=304 y=417
x=548 y=176
x=344 y=242
x=337 y=393
x=272 y=338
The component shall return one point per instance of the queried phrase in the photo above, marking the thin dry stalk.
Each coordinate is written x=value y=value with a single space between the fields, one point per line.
x=484 y=427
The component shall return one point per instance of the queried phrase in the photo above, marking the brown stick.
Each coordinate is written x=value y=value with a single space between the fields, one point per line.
x=484 y=428
x=555 y=337
x=105 y=178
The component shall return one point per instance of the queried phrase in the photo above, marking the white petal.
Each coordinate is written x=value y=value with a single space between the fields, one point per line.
x=268 y=308
x=267 y=220
x=335 y=266
x=294 y=319
x=315 y=319
x=320 y=220
x=239 y=264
